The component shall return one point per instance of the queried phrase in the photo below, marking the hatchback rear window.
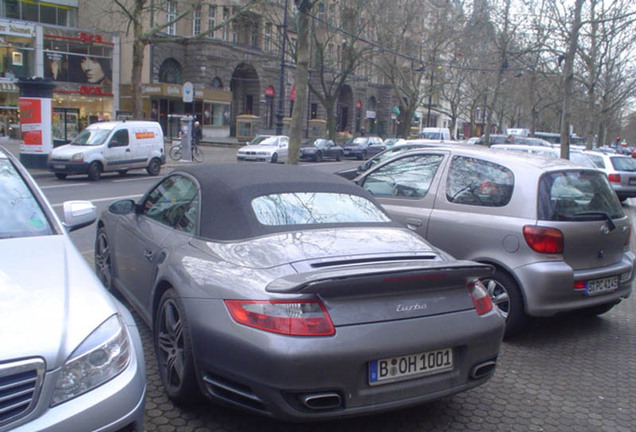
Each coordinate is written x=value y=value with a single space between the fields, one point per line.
x=623 y=163
x=577 y=196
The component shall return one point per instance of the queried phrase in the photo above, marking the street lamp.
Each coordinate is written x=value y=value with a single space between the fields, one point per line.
x=430 y=99
x=281 y=99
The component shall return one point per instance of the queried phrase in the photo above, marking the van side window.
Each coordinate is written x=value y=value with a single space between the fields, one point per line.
x=119 y=139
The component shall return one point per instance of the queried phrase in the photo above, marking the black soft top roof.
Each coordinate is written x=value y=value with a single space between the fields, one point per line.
x=227 y=191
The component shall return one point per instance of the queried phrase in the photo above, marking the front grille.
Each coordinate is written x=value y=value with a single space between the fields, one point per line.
x=20 y=384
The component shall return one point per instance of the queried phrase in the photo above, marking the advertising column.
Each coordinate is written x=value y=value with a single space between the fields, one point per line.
x=35 y=121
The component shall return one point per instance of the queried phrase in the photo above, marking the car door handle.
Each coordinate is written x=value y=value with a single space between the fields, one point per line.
x=127 y=150
x=413 y=223
x=148 y=254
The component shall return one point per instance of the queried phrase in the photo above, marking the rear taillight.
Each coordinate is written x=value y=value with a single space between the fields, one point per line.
x=543 y=240
x=481 y=299
x=294 y=318
x=614 y=178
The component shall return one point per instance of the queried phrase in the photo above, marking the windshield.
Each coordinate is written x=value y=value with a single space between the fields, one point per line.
x=91 y=137
x=431 y=135
x=271 y=141
x=309 y=208
x=577 y=195
x=360 y=141
x=20 y=213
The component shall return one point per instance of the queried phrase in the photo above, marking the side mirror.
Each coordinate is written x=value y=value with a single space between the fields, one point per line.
x=78 y=214
x=122 y=207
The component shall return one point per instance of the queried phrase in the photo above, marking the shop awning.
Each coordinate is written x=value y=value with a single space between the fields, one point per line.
x=8 y=87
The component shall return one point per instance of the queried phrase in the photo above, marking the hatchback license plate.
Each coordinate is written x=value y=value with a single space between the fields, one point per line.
x=410 y=366
x=59 y=166
x=599 y=286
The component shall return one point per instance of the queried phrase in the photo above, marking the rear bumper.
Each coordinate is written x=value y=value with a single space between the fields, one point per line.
x=271 y=374
x=548 y=287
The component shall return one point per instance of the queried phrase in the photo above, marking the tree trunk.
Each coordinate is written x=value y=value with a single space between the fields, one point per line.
x=302 y=65
x=568 y=80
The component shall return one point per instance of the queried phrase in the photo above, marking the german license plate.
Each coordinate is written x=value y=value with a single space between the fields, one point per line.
x=59 y=166
x=632 y=181
x=410 y=366
x=599 y=286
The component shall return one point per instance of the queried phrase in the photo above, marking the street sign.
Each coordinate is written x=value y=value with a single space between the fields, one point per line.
x=188 y=92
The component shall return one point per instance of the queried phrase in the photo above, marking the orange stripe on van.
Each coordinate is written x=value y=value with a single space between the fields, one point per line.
x=144 y=135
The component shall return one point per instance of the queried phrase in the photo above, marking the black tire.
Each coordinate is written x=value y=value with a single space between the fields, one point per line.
x=94 y=171
x=173 y=348
x=274 y=158
x=318 y=157
x=593 y=311
x=103 y=264
x=338 y=157
x=61 y=176
x=506 y=296
x=154 y=167
x=175 y=153
x=197 y=156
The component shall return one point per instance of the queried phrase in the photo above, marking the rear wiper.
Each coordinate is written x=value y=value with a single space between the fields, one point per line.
x=608 y=218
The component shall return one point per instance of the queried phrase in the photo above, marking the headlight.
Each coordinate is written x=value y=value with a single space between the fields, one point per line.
x=103 y=355
x=77 y=157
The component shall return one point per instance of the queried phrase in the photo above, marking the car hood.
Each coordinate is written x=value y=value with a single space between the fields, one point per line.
x=287 y=248
x=69 y=150
x=50 y=300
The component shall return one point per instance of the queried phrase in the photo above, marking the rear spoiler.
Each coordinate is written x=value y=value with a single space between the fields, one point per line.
x=379 y=276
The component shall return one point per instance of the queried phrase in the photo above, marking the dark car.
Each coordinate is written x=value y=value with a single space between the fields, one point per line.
x=291 y=293
x=363 y=147
x=319 y=149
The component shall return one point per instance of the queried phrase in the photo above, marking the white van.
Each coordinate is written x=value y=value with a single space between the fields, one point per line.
x=111 y=146
x=436 y=133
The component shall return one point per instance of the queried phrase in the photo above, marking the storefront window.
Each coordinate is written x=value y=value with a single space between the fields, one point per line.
x=215 y=114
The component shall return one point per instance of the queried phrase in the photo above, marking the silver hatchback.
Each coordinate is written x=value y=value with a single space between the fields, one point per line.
x=555 y=232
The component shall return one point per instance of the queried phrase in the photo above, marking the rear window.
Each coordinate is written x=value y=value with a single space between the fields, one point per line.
x=309 y=208
x=577 y=196
x=623 y=163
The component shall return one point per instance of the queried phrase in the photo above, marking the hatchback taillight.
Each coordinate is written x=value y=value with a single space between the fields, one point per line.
x=614 y=178
x=294 y=318
x=481 y=299
x=543 y=240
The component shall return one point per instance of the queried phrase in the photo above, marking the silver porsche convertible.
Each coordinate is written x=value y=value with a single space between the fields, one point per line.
x=293 y=294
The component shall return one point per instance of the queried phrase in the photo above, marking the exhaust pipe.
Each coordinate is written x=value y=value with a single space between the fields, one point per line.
x=483 y=369
x=322 y=401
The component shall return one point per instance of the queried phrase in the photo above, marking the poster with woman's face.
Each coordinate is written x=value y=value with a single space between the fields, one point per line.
x=94 y=71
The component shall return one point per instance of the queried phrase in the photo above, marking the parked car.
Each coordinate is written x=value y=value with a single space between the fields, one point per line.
x=319 y=149
x=351 y=173
x=494 y=139
x=117 y=146
x=576 y=156
x=363 y=147
x=71 y=357
x=555 y=232
x=620 y=170
x=290 y=293
x=272 y=149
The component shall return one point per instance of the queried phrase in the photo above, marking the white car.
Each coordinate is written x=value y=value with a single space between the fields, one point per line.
x=71 y=356
x=273 y=149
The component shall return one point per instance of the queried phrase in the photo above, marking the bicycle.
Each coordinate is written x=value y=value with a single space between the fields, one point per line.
x=176 y=152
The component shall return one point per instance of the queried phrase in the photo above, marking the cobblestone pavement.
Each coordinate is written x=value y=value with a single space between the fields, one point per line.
x=568 y=373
